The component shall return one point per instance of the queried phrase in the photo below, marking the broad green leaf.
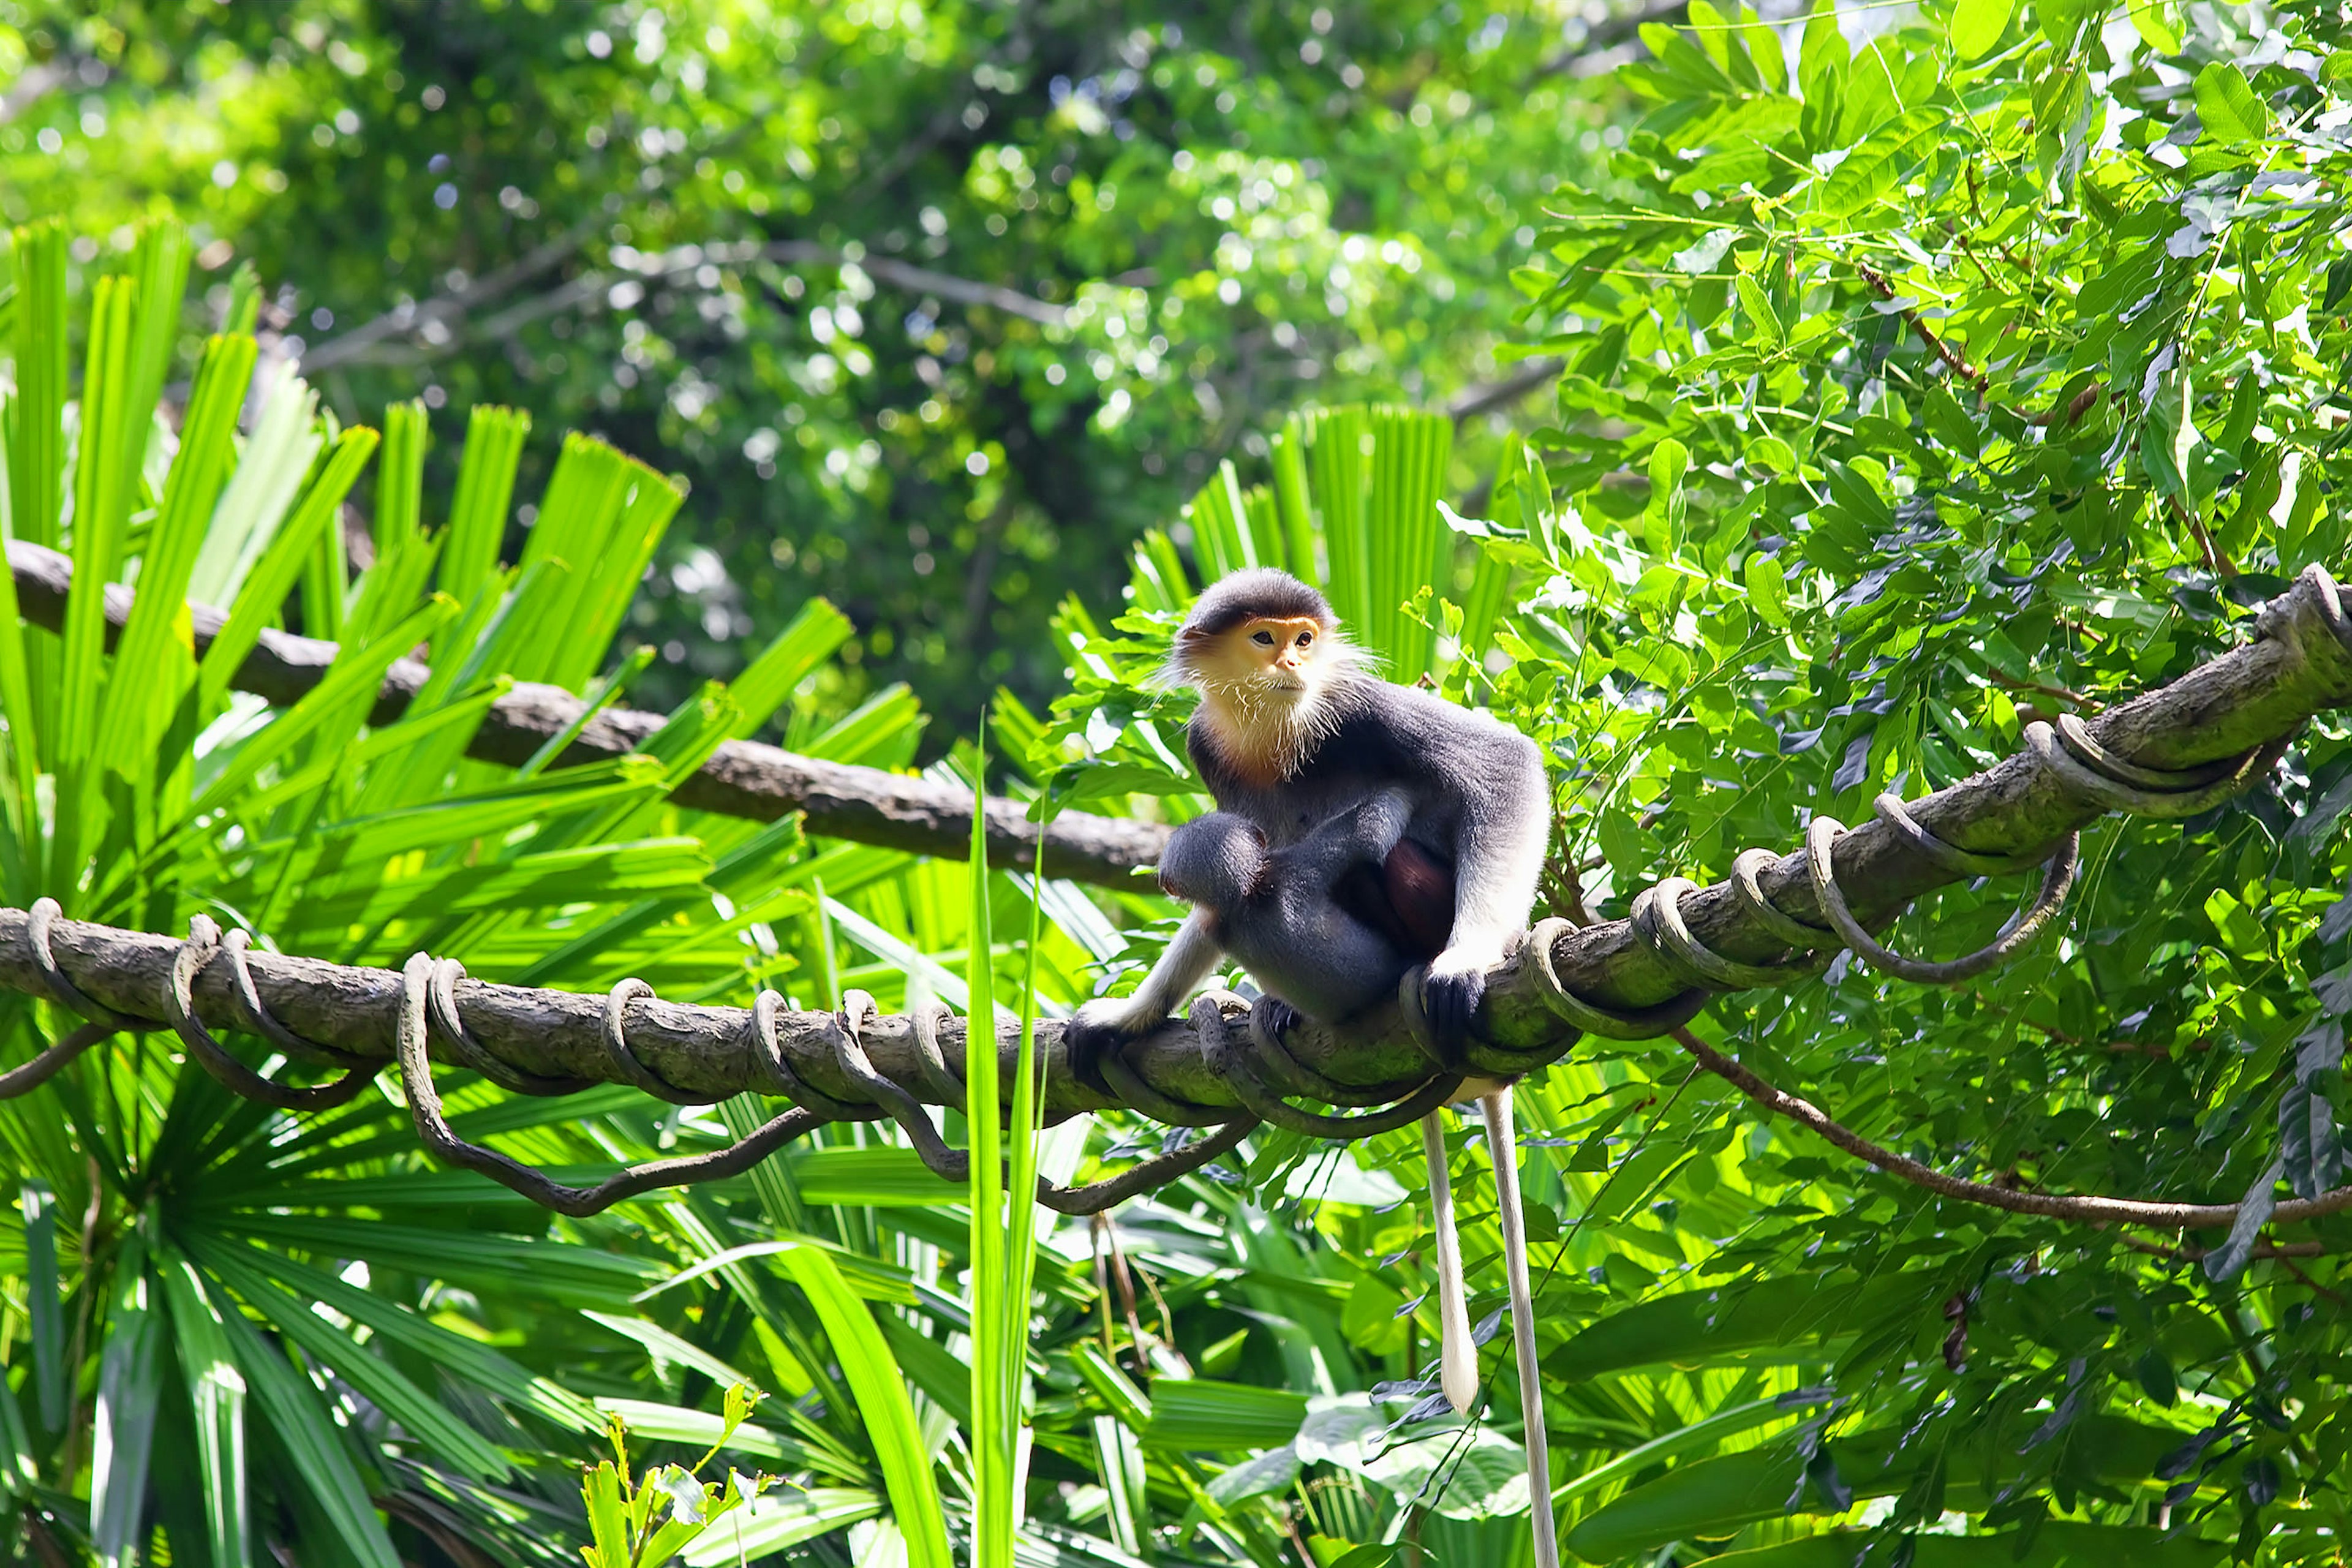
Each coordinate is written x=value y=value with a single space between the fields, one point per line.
x=1203 y=1413
x=1978 y=25
x=2159 y=24
x=1788 y=1319
x=1714 y=1496
x=1871 y=169
x=2227 y=105
x=768 y=1524
x=2057 y=1543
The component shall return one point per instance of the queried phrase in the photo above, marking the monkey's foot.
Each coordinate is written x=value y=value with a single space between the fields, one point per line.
x=1271 y=1017
x=1450 y=1004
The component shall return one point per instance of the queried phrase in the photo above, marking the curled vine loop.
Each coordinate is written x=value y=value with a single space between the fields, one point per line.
x=1229 y=1054
x=1658 y=922
x=2057 y=879
x=411 y=1036
x=101 y=1021
x=1609 y=1023
x=2096 y=774
x=180 y=1006
x=616 y=1046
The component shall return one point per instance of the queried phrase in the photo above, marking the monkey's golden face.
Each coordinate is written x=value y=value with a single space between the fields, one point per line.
x=1264 y=655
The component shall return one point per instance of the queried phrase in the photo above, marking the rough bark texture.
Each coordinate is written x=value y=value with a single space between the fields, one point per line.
x=744 y=778
x=2253 y=695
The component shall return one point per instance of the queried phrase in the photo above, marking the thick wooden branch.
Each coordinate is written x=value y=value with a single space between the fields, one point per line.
x=2254 y=695
x=744 y=778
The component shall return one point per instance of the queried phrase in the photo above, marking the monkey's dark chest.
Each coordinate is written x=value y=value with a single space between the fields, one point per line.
x=1409 y=899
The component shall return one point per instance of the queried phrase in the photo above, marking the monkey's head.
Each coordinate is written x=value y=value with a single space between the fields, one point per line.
x=1214 y=861
x=1267 y=655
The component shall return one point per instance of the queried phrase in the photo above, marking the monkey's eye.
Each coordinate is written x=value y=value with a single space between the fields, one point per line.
x=1305 y=638
x=1263 y=638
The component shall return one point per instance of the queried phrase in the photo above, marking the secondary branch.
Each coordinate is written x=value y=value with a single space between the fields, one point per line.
x=743 y=778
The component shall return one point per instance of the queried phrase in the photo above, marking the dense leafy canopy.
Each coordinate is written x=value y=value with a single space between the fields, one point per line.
x=1922 y=374
x=1106 y=241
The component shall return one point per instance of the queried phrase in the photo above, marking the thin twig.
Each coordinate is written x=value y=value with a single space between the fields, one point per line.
x=1925 y=333
x=1999 y=677
x=1494 y=395
x=2050 y=1206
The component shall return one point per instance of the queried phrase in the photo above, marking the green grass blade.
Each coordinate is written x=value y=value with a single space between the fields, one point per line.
x=352 y=680
x=18 y=705
x=311 y=1440
x=265 y=589
x=397 y=1325
x=1337 y=437
x=400 y=478
x=325 y=587
x=882 y=1404
x=577 y=514
x=405 y=552
x=19 y=1471
x=156 y=644
x=1263 y=515
x=995 y=1433
x=217 y=1402
x=243 y=1271
x=815 y=634
x=478 y=517
x=1219 y=541
x=129 y=1376
x=1290 y=499
x=609 y=584
x=159 y=263
x=36 y=442
x=42 y=1301
x=278 y=455
x=1021 y=1187
x=102 y=477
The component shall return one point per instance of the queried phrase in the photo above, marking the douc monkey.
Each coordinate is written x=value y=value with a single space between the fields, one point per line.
x=1292 y=733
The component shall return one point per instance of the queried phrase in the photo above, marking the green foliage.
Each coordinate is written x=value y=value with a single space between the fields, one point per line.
x=1986 y=369
x=233 y=1333
x=655 y=221
x=1918 y=381
x=644 y=1521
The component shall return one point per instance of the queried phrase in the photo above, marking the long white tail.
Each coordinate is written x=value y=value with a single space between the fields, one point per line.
x=1457 y=1358
x=1503 y=1144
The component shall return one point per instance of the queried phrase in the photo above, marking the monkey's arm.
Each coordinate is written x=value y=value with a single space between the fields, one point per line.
x=1184 y=965
x=1499 y=863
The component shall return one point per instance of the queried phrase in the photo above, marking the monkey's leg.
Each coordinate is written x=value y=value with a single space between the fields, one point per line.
x=1457 y=1358
x=1503 y=1144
